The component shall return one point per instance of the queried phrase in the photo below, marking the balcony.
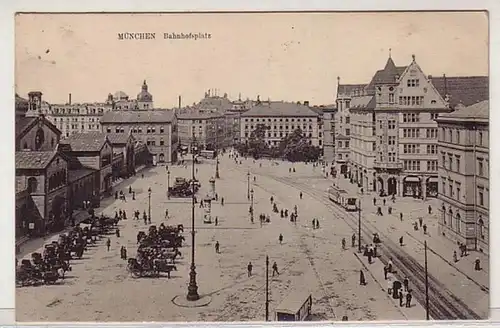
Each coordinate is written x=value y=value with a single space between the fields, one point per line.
x=388 y=165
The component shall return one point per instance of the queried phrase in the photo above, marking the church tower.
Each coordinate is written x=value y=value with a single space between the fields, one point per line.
x=34 y=104
x=144 y=98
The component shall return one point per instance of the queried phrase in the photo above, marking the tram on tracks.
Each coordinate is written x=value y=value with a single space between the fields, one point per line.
x=343 y=198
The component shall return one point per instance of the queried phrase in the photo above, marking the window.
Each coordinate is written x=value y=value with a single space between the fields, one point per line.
x=32 y=185
x=457 y=161
x=391 y=98
x=108 y=130
x=457 y=222
x=480 y=196
x=381 y=124
x=450 y=136
x=450 y=186
x=458 y=136
x=480 y=167
x=347 y=120
x=450 y=162
x=162 y=142
x=347 y=132
x=459 y=188
x=392 y=124
x=340 y=144
x=431 y=133
x=392 y=140
x=432 y=166
x=347 y=144
x=392 y=157
x=434 y=115
x=413 y=83
x=374 y=146
x=480 y=138
x=431 y=149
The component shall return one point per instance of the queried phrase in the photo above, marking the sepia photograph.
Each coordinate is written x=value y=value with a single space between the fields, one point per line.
x=252 y=166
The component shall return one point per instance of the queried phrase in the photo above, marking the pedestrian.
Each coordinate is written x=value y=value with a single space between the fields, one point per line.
x=271 y=199
x=300 y=195
x=425 y=228
x=401 y=216
x=389 y=210
x=314 y=223
x=343 y=243
x=401 y=241
x=222 y=201
x=129 y=189
x=389 y=265
x=385 y=272
x=353 y=240
x=420 y=222
x=116 y=194
x=401 y=303
x=216 y=221
x=455 y=259
x=374 y=201
x=117 y=233
x=166 y=213
x=375 y=251
x=217 y=247
x=389 y=286
x=408 y=299
x=145 y=218
x=149 y=219
x=477 y=264
x=406 y=283
x=429 y=209
x=362 y=280
x=384 y=201
x=280 y=238
x=133 y=195
x=369 y=257
x=275 y=269
x=317 y=224
x=249 y=269
x=108 y=243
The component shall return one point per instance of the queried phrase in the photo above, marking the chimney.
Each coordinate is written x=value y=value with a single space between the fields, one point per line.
x=306 y=102
x=180 y=102
x=69 y=99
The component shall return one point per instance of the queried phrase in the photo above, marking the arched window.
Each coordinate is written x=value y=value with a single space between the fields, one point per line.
x=32 y=185
x=480 y=224
x=450 y=213
x=443 y=210
x=457 y=222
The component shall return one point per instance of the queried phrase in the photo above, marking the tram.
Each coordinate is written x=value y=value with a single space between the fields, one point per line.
x=343 y=198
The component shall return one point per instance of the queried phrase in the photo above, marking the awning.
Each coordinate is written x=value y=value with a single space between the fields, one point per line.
x=411 y=179
x=433 y=179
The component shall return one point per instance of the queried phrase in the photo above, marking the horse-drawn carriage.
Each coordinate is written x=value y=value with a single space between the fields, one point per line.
x=149 y=268
x=183 y=188
x=29 y=274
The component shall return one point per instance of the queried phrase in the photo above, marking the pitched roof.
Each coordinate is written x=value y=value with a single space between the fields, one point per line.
x=85 y=141
x=118 y=138
x=362 y=102
x=34 y=159
x=280 y=109
x=385 y=76
x=196 y=115
x=350 y=89
x=139 y=116
x=22 y=123
x=466 y=90
x=480 y=110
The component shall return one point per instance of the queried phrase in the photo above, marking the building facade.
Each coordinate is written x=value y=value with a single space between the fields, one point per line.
x=464 y=175
x=157 y=129
x=329 y=134
x=394 y=141
x=282 y=118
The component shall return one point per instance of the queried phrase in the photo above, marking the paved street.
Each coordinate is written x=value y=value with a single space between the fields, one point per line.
x=99 y=287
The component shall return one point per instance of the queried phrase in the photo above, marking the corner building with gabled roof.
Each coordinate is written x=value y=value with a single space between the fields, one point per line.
x=393 y=132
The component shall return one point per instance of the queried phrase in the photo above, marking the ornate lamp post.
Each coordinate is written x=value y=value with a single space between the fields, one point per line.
x=168 y=183
x=217 y=175
x=251 y=206
x=192 y=294
x=149 y=203
x=248 y=185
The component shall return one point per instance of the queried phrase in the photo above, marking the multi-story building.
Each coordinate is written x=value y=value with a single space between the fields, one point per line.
x=157 y=129
x=206 y=126
x=394 y=141
x=282 y=118
x=329 y=134
x=85 y=117
x=464 y=175
x=342 y=122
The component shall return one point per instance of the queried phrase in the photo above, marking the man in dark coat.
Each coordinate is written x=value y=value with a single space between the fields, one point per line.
x=362 y=280
x=408 y=299
x=249 y=269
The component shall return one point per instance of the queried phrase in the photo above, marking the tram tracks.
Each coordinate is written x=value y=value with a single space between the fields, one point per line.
x=444 y=305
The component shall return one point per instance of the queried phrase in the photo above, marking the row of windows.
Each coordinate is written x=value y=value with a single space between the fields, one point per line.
x=451 y=162
x=75 y=119
x=411 y=100
x=415 y=149
x=455 y=136
x=57 y=180
x=276 y=120
x=153 y=142
x=412 y=83
x=346 y=143
x=275 y=127
x=135 y=130
x=411 y=117
x=411 y=133
x=447 y=189
x=77 y=111
x=411 y=165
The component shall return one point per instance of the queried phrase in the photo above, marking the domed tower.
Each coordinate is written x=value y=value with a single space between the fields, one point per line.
x=34 y=103
x=144 y=98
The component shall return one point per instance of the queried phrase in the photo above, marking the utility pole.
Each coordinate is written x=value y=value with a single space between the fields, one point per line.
x=427 y=317
x=267 y=288
x=359 y=227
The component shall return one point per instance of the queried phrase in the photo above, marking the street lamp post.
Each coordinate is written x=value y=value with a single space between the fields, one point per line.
x=251 y=205
x=192 y=294
x=427 y=316
x=217 y=175
x=359 y=227
x=168 y=183
x=267 y=288
x=149 y=203
x=248 y=185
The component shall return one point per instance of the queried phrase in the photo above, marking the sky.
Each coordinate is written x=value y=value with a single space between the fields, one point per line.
x=291 y=57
